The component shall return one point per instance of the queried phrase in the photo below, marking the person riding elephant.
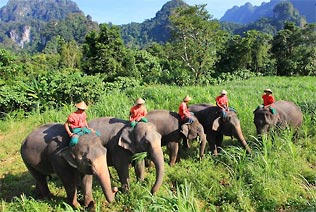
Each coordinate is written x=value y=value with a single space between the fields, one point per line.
x=76 y=124
x=138 y=112
x=46 y=151
x=185 y=114
x=222 y=103
x=268 y=100
x=287 y=114
x=169 y=124
x=122 y=142
x=216 y=127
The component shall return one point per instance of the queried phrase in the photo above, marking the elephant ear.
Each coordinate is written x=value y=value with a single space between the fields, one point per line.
x=68 y=155
x=127 y=140
x=215 y=125
x=184 y=130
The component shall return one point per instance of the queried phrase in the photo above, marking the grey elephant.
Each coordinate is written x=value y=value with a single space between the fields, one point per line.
x=168 y=124
x=46 y=151
x=123 y=141
x=215 y=127
x=288 y=114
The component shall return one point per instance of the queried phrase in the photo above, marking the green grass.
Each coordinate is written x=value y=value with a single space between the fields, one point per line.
x=279 y=176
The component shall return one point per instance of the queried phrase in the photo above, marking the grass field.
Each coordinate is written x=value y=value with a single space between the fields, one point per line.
x=279 y=176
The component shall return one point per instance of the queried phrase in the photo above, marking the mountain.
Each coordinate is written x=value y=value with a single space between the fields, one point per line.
x=41 y=10
x=248 y=13
x=156 y=29
x=31 y=24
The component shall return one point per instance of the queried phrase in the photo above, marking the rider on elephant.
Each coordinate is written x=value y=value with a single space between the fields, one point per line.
x=185 y=114
x=138 y=112
x=222 y=103
x=76 y=124
x=268 y=100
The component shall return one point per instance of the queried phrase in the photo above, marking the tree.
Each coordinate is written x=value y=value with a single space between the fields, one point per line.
x=295 y=50
x=8 y=69
x=70 y=55
x=104 y=52
x=251 y=52
x=196 y=39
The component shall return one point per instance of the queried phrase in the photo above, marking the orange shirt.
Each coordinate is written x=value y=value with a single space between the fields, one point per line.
x=222 y=101
x=77 y=119
x=268 y=99
x=184 y=111
x=137 y=112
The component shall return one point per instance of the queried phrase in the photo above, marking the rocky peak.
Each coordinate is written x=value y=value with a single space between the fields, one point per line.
x=41 y=10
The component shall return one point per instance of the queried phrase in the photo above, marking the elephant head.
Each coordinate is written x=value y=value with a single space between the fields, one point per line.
x=230 y=126
x=89 y=158
x=192 y=131
x=145 y=138
x=264 y=120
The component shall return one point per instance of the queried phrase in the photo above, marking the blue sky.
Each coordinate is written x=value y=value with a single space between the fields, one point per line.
x=127 y=11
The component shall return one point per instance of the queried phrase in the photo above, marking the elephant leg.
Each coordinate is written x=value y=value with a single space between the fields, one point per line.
x=70 y=182
x=219 y=141
x=87 y=190
x=173 y=148
x=69 y=177
x=121 y=162
x=140 y=170
x=41 y=189
x=211 y=138
x=186 y=144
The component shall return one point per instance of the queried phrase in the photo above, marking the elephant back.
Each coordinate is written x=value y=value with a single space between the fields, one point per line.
x=46 y=135
x=289 y=113
x=167 y=123
x=109 y=128
x=164 y=120
x=48 y=138
x=205 y=113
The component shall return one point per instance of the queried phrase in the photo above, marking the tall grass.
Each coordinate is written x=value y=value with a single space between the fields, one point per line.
x=280 y=175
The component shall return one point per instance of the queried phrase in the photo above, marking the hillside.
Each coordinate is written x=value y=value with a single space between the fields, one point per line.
x=30 y=24
x=40 y=10
x=156 y=29
x=248 y=13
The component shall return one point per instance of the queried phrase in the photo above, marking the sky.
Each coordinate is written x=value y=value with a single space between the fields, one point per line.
x=126 y=11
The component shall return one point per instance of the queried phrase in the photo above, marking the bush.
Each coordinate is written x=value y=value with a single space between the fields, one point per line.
x=50 y=91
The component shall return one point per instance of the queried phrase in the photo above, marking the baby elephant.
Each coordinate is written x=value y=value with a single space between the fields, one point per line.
x=46 y=151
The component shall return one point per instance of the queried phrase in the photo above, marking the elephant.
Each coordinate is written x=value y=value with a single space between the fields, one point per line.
x=46 y=151
x=288 y=114
x=169 y=125
x=216 y=127
x=122 y=142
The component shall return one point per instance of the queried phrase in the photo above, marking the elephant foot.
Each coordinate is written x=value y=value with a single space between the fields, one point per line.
x=123 y=189
x=89 y=203
x=91 y=206
x=40 y=195
x=172 y=163
x=76 y=204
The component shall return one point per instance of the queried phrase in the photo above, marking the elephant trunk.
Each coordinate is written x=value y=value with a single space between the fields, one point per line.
x=239 y=135
x=203 y=144
x=157 y=157
x=101 y=171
